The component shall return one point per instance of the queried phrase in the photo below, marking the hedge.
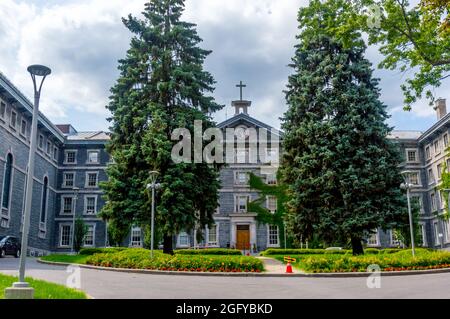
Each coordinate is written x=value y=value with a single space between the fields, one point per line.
x=208 y=251
x=92 y=251
x=275 y=251
x=140 y=259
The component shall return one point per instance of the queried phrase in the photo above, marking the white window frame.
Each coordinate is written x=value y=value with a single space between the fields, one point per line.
x=72 y=206
x=238 y=155
x=437 y=147
x=433 y=203
x=23 y=124
x=416 y=151
x=98 y=157
x=49 y=148
x=87 y=179
x=437 y=240
x=64 y=184
x=236 y=203
x=428 y=152
x=75 y=157
x=15 y=117
x=431 y=178
x=60 y=243
x=420 y=197
x=86 y=197
x=271 y=179
x=93 y=225
x=214 y=243
x=445 y=139
x=183 y=234
x=269 y=244
x=41 y=142
x=419 y=182
x=439 y=167
x=55 y=153
x=134 y=243
x=3 y=107
x=424 y=233
x=237 y=181
x=268 y=206
x=377 y=239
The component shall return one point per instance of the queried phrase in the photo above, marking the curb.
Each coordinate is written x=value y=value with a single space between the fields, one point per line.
x=250 y=274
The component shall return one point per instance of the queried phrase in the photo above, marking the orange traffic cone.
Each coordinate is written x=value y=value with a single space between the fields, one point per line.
x=289 y=268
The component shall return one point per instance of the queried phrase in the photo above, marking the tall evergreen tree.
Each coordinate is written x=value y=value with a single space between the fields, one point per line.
x=162 y=86
x=342 y=170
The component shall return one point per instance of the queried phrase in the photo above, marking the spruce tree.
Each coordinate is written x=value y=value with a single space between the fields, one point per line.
x=162 y=86
x=342 y=171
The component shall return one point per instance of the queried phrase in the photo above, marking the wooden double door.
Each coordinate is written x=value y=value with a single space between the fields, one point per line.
x=243 y=237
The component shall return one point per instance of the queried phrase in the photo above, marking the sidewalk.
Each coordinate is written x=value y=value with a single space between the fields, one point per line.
x=273 y=266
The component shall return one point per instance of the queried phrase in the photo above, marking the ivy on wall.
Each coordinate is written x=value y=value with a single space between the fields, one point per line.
x=264 y=215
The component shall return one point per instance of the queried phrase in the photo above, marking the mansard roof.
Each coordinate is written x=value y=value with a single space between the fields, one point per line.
x=245 y=118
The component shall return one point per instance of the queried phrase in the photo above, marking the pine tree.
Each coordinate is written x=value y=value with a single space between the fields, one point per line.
x=162 y=86
x=341 y=169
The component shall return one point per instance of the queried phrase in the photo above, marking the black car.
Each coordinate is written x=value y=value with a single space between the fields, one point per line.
x=9 y=245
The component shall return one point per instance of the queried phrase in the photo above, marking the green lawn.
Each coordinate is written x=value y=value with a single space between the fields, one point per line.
x=42 y=289
x=71 y=259
x=399 y=261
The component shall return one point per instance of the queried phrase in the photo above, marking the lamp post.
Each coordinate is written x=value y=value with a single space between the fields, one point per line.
x=407 y=185
x=35 y=71
x=76 y=190
x=153 y=185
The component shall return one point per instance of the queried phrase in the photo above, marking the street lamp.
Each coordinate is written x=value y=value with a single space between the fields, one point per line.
x=76 y=190
x=407 y=185
x=153 y=185
x=35 y=72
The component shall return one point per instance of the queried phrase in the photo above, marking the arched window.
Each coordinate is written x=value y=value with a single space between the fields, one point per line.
x=44 y=200
x=7 y=181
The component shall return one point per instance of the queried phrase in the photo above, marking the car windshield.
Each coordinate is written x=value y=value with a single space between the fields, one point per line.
x=2 y=239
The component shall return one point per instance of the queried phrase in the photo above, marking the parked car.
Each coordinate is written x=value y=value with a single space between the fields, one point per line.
x=9 y=245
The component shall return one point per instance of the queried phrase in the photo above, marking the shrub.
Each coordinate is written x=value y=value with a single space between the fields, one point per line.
x=275 y=251
x=372 y=251
x=140 y=259
x=92 y=251
x=208 y=251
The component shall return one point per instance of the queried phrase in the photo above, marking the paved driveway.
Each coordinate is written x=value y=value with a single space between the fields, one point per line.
x=107 y=284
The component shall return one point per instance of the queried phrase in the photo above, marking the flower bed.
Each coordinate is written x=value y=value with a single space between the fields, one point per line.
x=209 y=251
x=287 y=252
x=397 y=261
x=140 y=259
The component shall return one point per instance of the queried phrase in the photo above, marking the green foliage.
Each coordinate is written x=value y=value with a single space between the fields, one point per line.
x=208 y=251
x=287 y=252
x=140 y=259
x=79 y=234
x=42 y=289
x=162 y=87
x=68 y=259
x=444 y=188
x=397 y=261
x=341 y=169
x=92 y=251
x=263 y=214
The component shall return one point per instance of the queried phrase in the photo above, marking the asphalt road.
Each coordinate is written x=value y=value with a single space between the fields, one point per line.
x=116 y=285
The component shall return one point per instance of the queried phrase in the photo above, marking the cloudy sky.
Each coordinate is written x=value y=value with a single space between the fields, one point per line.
x=82 y=40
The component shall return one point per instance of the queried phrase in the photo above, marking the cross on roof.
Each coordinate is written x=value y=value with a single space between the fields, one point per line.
x=241 y=86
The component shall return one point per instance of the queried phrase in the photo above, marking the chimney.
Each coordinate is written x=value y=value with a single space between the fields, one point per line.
x=441 y=108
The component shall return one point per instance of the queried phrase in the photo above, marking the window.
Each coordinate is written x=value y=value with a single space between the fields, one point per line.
x=414 y=178
x=241 y=203
x=65 y=235
x=411 y=155
x=273 y=236
x=23 y=128
x=437 y=148
x=2 y=110
x=93 y=157
x=271 y=179
x=70 y=157
x=49 y=148
x=437 y=240
x=373 y=240
x=394 y=239
x=13 y=120
x=44 y=201
x=7 y=181
x=91 y=179
x=427 y=152
x=41 y=142
x=423 y=234
x=55 y=153
x=445 y=226
x=240 y=156
x=67 y=205
x=430 y=176
x=90 y=206
x=439 y=171
x=212 y=236
x=417 y=200
x=183 y=239
x=272 y=155
x=89 y=238
x=433 y=202
x=445 y=138
x=136 y=237
x=240 y=178
x=69 y=179
x=272 y=203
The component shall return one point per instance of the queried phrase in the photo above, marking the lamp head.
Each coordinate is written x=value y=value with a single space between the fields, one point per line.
x=39 y=70
x=153 y=176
